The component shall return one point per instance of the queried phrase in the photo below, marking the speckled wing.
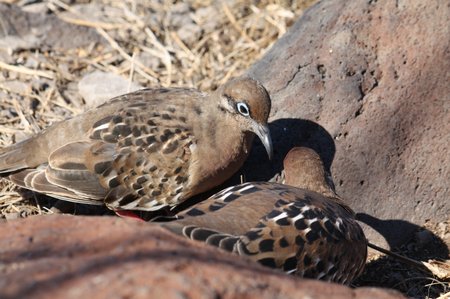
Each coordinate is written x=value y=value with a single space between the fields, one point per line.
x=134 y=158
x=311 y=237
x=292 y=229
x=153 y=151
x=223 y=217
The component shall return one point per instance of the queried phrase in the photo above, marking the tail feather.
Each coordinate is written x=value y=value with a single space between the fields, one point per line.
x=34 y=151
x=12 y=159
x=36 y=180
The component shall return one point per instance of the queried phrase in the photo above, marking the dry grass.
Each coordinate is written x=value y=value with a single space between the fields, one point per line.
x=195 y=43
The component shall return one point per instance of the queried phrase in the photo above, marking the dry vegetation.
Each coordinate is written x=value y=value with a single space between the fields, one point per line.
x=196 y=43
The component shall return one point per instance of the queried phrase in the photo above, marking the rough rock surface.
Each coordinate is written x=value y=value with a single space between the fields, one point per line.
x=107 y=257
x=375 y=75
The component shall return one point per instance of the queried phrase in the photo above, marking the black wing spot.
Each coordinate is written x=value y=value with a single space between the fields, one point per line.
x=309 y=214
x=110 y=138
x=156 y=193
x=195 y=212
x=129 y=198
x=249 y=190
x=117 y=119
x=290 y=264
x=317 y=227
x=180 y=179
x=231 y=197
x=253 y=235
x=151 y=139
x=122 y=130
x=299 y=241
x=300 y=224
x=228 y=243
x=266 y=245
x=329 y=227
x=139 y=142
x=283 y=242
x=299 y=204
x=273 y=214
x=113 y=183
x=269 y=262
x=166 y=116
x=312 y=236
x=128 y=142
x=202 y=234
x=171 y=147
x=215 y=207
x=136 y=132
x=188 y=230
x=283 y=221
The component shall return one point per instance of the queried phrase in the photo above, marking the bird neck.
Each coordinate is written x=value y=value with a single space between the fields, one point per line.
x=220 y=153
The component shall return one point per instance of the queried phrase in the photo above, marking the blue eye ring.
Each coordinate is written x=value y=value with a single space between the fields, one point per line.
x=243 y=109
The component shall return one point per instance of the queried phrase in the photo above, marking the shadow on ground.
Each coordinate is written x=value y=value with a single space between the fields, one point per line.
x=388 y=272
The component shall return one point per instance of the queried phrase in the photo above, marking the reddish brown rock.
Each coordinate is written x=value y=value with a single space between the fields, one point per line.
x=375 y=75
x=108 y=257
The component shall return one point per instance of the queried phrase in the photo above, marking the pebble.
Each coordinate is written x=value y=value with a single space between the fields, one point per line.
x=98 y=87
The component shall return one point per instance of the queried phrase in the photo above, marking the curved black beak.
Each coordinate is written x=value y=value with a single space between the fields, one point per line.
x=264 y=134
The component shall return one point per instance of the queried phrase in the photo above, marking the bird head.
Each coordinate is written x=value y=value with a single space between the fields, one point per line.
x=303 y=168
x=248 y=102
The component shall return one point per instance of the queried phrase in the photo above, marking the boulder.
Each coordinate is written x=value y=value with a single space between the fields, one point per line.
x=369 y=81
x=64 y=256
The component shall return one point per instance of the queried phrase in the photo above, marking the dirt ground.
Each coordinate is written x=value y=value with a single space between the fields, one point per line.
x=196 y=43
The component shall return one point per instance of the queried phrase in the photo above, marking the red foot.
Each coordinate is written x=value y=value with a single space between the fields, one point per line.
x=128 y=214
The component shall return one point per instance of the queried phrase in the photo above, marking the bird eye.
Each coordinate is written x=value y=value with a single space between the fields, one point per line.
x=243 y=109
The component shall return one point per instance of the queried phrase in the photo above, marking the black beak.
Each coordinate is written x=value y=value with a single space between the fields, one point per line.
x=264 y=134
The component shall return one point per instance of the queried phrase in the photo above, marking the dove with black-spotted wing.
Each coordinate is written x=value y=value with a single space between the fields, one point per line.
x=145 y=150
x=303 y=228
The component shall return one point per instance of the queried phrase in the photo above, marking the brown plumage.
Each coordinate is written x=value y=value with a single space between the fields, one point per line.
x=144 y=150
x=308 y=230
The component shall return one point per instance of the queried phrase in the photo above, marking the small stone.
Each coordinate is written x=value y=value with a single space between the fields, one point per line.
x=12 y=216
x=98 y=87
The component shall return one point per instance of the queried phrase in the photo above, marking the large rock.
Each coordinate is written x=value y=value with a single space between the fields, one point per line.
x=107 y=257
x=376 y=76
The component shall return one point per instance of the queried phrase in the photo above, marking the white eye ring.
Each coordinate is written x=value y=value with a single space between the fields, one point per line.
x=243 y=109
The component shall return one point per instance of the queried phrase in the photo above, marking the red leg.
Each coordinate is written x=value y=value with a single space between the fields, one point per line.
x=128 y=214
